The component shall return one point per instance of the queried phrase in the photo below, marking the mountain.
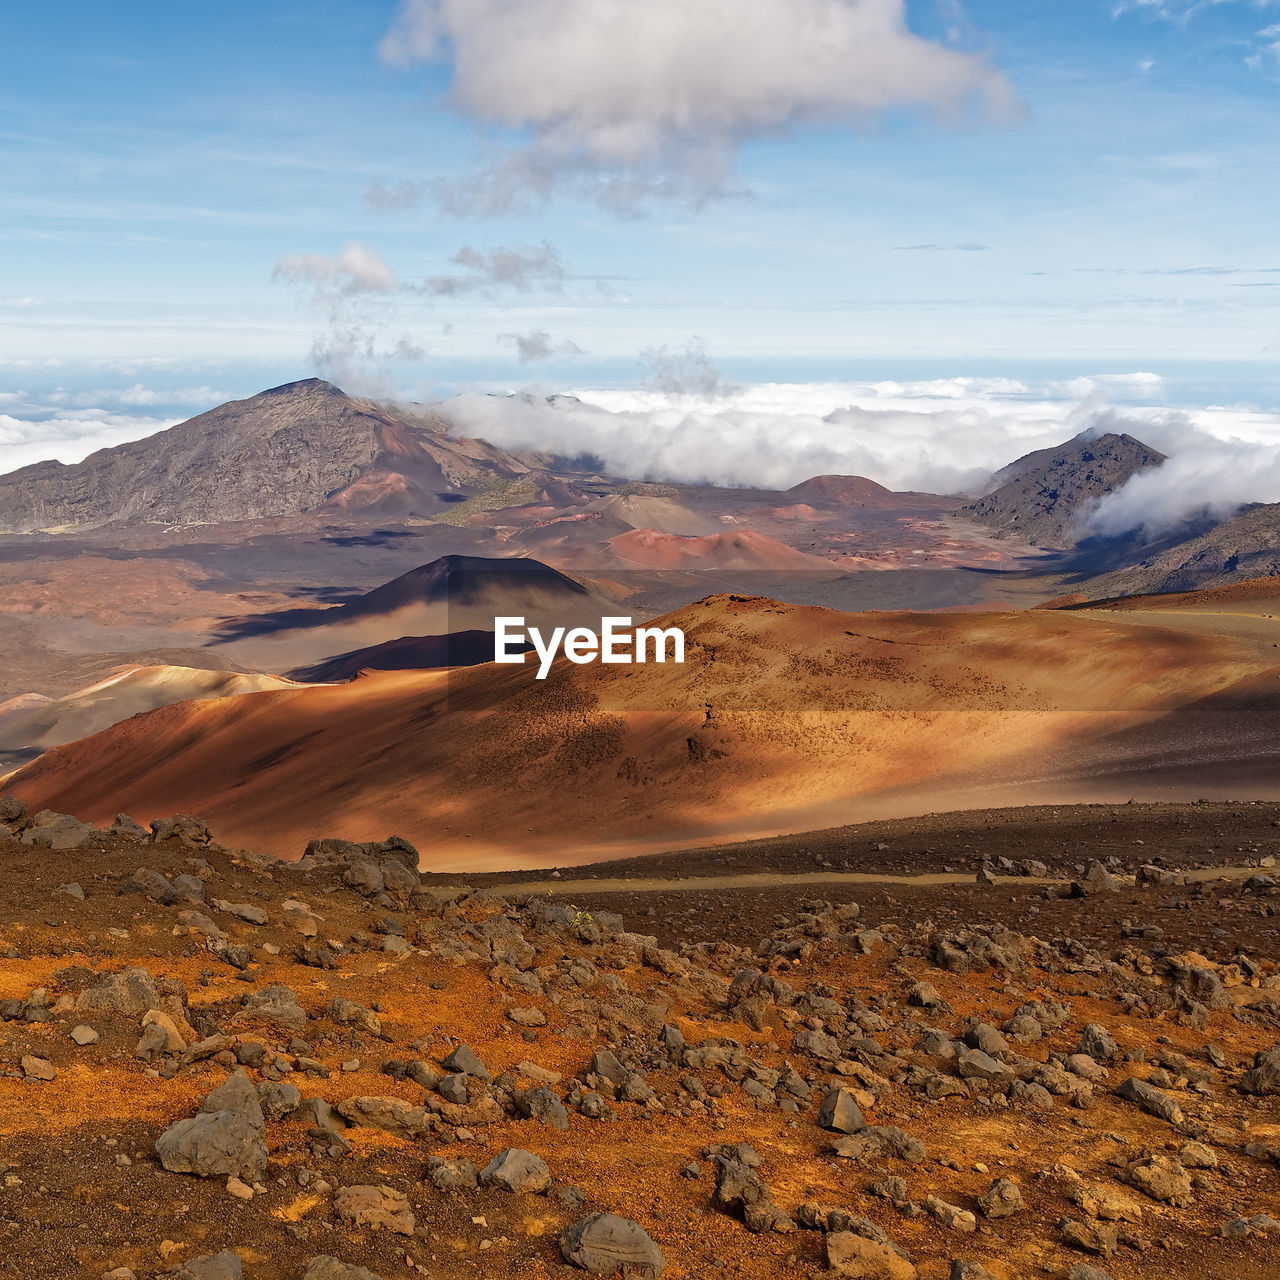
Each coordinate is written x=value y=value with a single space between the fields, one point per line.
x=783 y=717
x=432 y=602
x=1039 y=497
x=297 y=448
x=844 y=491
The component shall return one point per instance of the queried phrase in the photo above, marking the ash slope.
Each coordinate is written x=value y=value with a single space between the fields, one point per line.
x=784 y=718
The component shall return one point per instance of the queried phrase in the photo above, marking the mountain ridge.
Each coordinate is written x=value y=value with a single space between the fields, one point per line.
x=297 y=448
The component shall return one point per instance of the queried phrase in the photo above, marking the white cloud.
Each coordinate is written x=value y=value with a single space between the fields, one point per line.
x=139 y=396
x=69 y=435
x=933 y=436
x=356 y=270
x=1205 y=472
x=633 y=99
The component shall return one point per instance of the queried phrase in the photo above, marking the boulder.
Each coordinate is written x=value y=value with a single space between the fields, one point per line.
x=212 y=1266
x=1263 y=1078
x=223 y=1138
x=1001 y=1199
x=276 y=1004
x=327 y=1268
x=379 y=1207
x=608 y=1245
x=49 y=830
x=129 y=993
x=451 y=1175
x=1151 y=1100
x=1162 y=1178
x=853 y=1255
x=518 y=1171
x=183 y=828
x=214 y=1144
x=840 y=1112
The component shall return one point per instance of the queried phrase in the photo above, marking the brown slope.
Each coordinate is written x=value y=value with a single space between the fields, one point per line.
x=450 y=595
x=1040 y=497
x=1245 y=546
x=784 y=718
x=293 y=449
x=1253 y=595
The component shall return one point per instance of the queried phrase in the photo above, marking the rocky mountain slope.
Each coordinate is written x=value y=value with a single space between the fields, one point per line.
x=218 y=1066
x=1040 y=497
x=1245 y=546
x=287 y=451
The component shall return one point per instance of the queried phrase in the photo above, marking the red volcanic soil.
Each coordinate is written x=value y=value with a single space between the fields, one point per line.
x=1064 y=602
x=782 y=719
x=369 y=491
x=800 y=511
x=746 y=549
x=1253 y=591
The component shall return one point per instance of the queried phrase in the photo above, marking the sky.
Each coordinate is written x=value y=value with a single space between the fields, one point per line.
x=443 y=196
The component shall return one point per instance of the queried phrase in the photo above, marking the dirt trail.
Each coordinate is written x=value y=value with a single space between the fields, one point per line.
x=771 y=880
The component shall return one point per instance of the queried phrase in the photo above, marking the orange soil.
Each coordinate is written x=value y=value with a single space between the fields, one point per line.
x=781 y=713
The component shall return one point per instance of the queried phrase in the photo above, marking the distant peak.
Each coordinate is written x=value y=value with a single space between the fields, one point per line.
x=304 y=385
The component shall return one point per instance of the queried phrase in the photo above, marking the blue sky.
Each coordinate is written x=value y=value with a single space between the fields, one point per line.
x=160 y=161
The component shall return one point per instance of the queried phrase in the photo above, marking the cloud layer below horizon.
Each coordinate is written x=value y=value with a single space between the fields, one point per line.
x=942 y=436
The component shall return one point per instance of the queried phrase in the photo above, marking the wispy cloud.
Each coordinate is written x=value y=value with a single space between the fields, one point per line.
x=638 y=101
x=522 y=269
x=538 y=345
x=1179 y=10
x=685 y=372
x=942 y=248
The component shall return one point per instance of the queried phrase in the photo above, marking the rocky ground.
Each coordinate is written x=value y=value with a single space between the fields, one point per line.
x=215 y=1064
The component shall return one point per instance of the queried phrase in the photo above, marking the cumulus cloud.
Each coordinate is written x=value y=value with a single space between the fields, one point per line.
x=687 y=372
x=635 y=99
x=1204 y=475
x=938 y=436
x=485 y=270
x=928 y=436
x=538 y=345
x=356 y=270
